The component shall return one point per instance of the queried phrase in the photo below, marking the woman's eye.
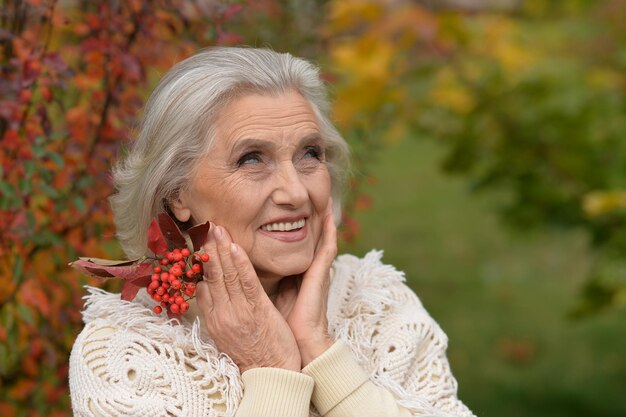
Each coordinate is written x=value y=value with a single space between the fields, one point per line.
x=313 y=152
x=249 y=158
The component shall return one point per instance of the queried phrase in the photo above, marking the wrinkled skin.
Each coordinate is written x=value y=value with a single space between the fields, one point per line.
x=263 y=300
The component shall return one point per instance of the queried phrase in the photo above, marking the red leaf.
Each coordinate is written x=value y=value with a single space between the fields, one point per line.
x=111 y=262
x=198 y=235
x=132 y=286
x=124 y=271
x=156 y=240
x=172 y=233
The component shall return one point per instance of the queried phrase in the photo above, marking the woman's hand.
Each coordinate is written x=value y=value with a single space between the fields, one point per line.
x=302 y=300
x=239 y=316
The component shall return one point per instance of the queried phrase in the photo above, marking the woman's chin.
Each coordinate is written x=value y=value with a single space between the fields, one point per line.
x=286 y=266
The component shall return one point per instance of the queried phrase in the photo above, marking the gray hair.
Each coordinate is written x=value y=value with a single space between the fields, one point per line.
x=177 y=130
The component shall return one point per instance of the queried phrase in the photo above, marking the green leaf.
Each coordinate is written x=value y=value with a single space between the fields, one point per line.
x=25 y=314
x=10 y=199
x=38 y=151
x=47 y=238
x=84 y=182
x=57 y=159
x=30 y=167
x=79 y=203
x=7 y=190
x=4 y=359
x=25 y=186
x=49 y=191
x=18 y=270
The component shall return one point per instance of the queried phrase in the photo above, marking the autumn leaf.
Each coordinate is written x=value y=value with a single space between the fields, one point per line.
x=156 y=240
x=131 y=287
x=110 y=269
x=171 y=232
x=198 y=235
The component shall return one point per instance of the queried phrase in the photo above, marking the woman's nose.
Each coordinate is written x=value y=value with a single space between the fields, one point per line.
x=289 y=188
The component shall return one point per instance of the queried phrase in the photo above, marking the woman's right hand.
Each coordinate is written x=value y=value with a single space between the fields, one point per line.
x=238 y=314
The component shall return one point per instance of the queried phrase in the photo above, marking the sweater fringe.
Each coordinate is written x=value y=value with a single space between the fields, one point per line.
x=131 y=315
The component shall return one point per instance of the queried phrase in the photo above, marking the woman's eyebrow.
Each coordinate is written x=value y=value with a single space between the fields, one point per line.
x=247 y=143
x=311 y=138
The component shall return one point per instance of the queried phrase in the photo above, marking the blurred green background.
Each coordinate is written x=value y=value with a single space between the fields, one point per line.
x=489 y=164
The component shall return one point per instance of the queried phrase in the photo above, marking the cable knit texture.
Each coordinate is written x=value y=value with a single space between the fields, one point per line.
x=128 y=361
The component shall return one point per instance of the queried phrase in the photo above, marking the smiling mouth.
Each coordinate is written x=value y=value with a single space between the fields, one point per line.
x=283 y=226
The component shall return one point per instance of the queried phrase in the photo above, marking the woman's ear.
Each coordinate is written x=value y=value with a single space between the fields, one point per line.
x=180 y=209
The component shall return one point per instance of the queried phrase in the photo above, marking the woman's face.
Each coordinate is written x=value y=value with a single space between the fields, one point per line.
x=265 y=180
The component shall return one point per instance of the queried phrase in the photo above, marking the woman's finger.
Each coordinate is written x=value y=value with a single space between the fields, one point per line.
x=327 y=246
x=213 y=274
x=229 y=271
x=249 y=282
x=204 y=296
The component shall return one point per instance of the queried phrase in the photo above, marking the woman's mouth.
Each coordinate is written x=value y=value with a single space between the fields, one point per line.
x=283 y=226
x=286 y=231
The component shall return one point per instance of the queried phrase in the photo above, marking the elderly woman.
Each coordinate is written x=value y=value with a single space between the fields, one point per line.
x=280 y=325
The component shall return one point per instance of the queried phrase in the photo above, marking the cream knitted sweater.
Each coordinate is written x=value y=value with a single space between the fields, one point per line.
x=388 y=359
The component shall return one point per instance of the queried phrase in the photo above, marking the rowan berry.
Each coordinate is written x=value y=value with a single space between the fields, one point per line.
x=158 y=309
x=174 y=278
x=190 y=290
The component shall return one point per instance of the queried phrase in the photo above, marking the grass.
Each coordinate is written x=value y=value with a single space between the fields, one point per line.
x=502 y=297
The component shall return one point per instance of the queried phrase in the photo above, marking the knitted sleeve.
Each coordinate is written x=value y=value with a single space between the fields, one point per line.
x=343 y=389
x=128 y=362
x=392 y=336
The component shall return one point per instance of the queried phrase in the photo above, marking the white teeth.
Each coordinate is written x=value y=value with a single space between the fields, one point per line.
x=283 y=227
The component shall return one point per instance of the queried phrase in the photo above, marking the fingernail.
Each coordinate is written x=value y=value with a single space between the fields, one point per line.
x=218 y=232
x=233 y=247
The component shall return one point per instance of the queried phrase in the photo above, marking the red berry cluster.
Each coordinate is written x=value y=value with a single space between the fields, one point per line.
x=174 y=280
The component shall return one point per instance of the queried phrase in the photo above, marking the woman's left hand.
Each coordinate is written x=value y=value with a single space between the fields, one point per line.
x=302 y=300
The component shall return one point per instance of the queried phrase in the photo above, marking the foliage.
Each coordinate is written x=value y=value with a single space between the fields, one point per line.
x=531 y=103
x=544 y=120
x=73 y=80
